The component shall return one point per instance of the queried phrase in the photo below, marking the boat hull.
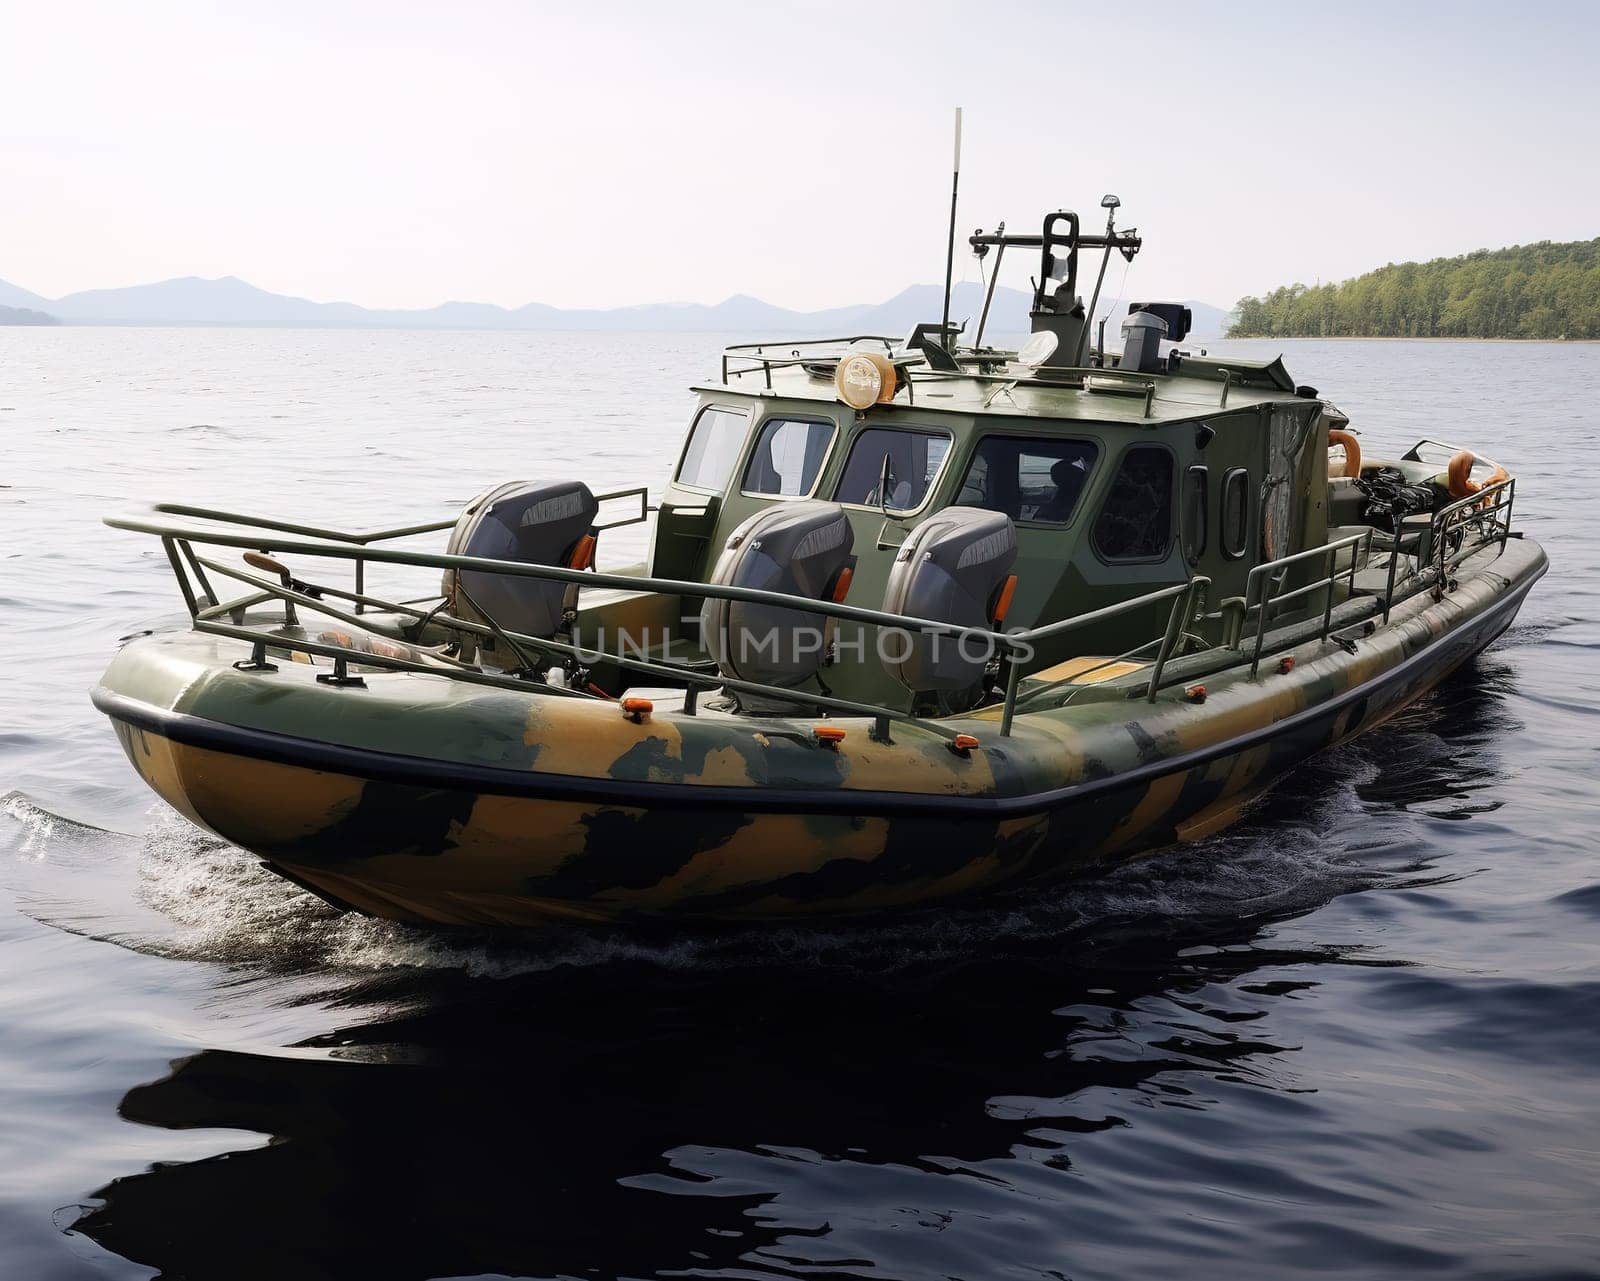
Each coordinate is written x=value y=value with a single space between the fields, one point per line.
x=413 y=800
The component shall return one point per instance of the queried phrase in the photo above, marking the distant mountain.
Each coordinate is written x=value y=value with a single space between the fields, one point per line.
x=25 y=316
x=15 y=296
x=191 y=300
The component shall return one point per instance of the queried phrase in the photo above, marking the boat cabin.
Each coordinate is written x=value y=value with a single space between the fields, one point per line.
x=1114 y=487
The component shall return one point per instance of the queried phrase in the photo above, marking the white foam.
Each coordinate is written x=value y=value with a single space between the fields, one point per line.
x=42 y=829
x=214 y=902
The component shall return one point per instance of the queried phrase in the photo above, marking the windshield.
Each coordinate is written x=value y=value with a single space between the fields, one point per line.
x=787 y=457
x=915 y=458
x=713 y=448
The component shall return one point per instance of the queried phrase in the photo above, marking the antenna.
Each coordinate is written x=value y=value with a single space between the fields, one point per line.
x=950 y=248
x=1110 y=204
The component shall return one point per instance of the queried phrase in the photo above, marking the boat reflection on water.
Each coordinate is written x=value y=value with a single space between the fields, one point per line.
x=833 y=1114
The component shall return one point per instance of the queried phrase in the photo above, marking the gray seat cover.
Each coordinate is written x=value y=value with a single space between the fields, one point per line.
x=797 y=548
x=949 y=570
x=532 y=524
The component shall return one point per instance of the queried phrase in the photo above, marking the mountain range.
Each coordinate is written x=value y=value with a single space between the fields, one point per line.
x=191 y=300
x=25 y=316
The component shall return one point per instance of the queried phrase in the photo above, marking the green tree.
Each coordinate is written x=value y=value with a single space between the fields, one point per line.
x=1543 y=290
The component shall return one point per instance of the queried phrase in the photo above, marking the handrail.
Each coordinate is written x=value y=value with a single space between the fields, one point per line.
x=1413 y=455
x=1073 y=377
x=1474 y=510
x=1271 y=596
x=752 y=351
x=1478 y=499
x=811 y=342
x=382 y=535
x=1186 y=599
x=1014 y=644
x=1109 y=611
x=1182 y=596
x=311 y=531
x=368 y=536
x=560 y=574
x=204 y=622
x=1133 y=383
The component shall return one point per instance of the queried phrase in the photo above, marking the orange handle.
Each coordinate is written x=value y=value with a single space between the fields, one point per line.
x=260 y=560
x=1459 y=475
x=1352 y=450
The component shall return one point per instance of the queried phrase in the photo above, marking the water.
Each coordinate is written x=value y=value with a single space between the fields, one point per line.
x=1353 y=1037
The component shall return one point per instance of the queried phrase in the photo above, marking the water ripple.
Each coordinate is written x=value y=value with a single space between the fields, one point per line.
x=1354 y=1036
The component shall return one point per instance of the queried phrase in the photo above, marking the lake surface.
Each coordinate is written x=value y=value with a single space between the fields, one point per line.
x=1356 y=1036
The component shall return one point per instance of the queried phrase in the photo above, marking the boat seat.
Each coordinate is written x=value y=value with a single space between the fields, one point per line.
x=1086 y=669
x=954 y=568
x=1374 y=579
x=1346 y=503
x=1413 y=541
x=801 y=549
x=1341 y=558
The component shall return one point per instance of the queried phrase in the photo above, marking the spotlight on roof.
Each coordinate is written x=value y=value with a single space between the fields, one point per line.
x=865 y=378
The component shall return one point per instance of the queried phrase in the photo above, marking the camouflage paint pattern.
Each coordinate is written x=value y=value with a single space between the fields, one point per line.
x=1072 y=786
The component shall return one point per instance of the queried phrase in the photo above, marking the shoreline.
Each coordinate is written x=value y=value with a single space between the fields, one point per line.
x=1566 y=342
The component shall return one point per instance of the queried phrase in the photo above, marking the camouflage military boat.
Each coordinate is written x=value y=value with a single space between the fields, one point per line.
x=921 y=618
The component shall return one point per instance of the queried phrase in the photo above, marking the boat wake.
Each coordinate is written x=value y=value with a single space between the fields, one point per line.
x=177 y=892
x=39 y=827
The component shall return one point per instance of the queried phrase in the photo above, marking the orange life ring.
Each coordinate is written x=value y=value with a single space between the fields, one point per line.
x=1459 y=475
x=1352 y=450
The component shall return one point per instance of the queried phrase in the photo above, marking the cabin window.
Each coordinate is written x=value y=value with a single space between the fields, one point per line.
x=1235 y=513
x=788 y=457
x=714 y=444
x=1196 y=512
x=915 y=458
x=1029 y=479
x=1135 y=522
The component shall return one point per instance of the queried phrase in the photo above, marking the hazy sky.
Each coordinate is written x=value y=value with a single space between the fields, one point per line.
x=601 y=154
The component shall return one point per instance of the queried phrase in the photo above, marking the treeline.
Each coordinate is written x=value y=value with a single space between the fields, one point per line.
x=1528 y=291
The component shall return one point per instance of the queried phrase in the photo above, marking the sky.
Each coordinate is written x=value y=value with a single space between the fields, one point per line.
x=603 y=154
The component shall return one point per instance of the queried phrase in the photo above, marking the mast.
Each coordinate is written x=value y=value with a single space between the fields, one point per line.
x=950 y=247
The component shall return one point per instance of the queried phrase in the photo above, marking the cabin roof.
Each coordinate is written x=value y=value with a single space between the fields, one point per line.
x=1196 y=391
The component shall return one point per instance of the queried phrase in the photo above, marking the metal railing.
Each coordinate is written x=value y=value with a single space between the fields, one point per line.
x=366 y=538
x=1486 y=514
x=760 y=358
x=1183 y=610
x=1414 y=454
x=756 y=357
x=1264 y=585
x=225 y=617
